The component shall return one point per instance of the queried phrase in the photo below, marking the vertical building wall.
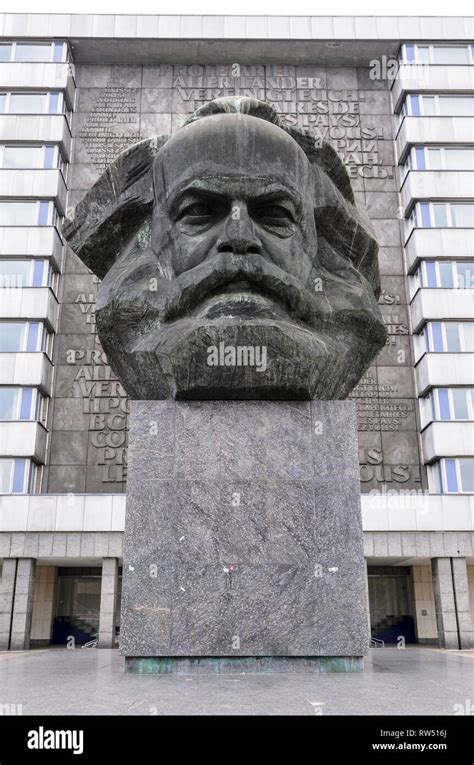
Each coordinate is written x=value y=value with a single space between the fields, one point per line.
x=433 y=100
x=118 y=105
x=37 y=88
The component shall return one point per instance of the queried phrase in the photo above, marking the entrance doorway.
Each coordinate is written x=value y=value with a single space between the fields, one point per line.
x=391 y=604
x=77 y=605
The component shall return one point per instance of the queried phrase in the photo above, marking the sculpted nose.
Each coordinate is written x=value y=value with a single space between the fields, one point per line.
x=239 y=234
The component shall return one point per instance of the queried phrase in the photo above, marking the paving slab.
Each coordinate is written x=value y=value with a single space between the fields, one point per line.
x=410 y=681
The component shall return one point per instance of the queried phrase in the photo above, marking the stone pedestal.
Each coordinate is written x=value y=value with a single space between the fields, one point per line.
x=243 y=540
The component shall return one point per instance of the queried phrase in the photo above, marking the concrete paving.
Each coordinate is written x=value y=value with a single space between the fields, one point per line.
x=411 y=681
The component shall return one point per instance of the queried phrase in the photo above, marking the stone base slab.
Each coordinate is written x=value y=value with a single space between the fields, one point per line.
x=248 y=664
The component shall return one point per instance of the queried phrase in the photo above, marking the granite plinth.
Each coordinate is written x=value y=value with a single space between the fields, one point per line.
x=243 y=532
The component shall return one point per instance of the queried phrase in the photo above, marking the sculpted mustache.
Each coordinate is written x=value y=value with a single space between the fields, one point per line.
x=191 y=287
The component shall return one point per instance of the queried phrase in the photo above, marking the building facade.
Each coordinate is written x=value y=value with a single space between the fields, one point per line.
x=395 y=97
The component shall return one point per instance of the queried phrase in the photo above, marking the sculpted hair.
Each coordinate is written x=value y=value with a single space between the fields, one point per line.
x=112 y=213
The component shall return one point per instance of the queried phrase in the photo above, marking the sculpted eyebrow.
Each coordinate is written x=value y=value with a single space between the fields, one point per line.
x=192 y=194
x=293 y=202
x=276 y=196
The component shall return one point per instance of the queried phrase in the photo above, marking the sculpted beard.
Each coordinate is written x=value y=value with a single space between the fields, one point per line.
x=187 y=291
x=217 y=288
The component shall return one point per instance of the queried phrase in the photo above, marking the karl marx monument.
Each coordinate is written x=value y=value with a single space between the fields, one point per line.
x=238 y=307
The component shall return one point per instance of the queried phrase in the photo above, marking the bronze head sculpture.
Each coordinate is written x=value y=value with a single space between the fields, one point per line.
x=234 y=262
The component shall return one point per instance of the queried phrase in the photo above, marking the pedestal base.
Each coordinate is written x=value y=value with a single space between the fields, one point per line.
x=153 y=665
x=243 y=536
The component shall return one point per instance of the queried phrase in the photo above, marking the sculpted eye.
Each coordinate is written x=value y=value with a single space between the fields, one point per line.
x=273 y=214
x=197 y=210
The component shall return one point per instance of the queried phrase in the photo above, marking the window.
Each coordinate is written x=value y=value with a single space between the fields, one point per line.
x=18 y=213
x=439 y=215
x=32 y=103
x=456 y=475
x=453 y=105
x=421 y=54
x=457 y=159
x=34 y=156
x=442 y=158
x=20 y=404
x=22 y=156
x=27 y=103
x=12 y=336
x=442 y=215
x=24 y=336
x=17 y=476
x=26 y=273
x=33 y=52
x=462 y=215
x=449 y=337
x=5 y=52
x=463 y=275
x=436 y=54
x=52 y=157
x=446 y=274
x=35 y=213
x=60 y=52
x=450 y=55
x=438 y=106
x=452 y=403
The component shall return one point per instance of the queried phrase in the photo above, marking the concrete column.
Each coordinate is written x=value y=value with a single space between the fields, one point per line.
x=451 y=594
x=108 y=598
x=426 y=630
x=369 y=623
x=43 y=605
x=7 y=593
x=463 y=607
x=23 y=604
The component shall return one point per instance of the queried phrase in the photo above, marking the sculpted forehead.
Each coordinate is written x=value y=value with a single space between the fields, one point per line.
x=230 y=146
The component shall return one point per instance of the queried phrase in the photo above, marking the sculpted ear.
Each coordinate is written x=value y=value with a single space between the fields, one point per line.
x=114 y=209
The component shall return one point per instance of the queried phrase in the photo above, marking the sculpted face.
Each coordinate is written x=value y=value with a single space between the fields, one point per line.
x=229 y=285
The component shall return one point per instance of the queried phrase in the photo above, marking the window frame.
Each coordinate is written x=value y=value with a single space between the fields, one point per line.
x=47 y=94
x=48 y=276
x=429 y=341
x=417 y=213
x=407 y=105
x=44 y=147
x=53 y=45
x=51 y=213
x=411 y=162
x=443 y=475
x=30 y=476
x=436 y=408
x=403 y=57
x=421 y=274
x=43 y=343
x=36 y=407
